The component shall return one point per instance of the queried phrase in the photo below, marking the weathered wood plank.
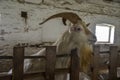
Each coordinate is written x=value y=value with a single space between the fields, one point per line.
x=18 y=62
x=6 y=57
x=113 y=63
x=96 y=62
x=34 y=57
x=50 y=62
x=6 y=77
x=75 y=65
x=34 y=74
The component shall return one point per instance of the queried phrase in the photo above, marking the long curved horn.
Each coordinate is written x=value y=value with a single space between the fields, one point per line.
x=72 y=17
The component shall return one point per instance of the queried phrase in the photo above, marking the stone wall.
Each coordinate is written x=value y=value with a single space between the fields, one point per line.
x=14 y=29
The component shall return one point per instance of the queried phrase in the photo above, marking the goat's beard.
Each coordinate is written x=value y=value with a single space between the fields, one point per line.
x=70 y=41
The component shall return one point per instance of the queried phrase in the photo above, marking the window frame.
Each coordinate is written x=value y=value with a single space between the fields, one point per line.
x=109 y=34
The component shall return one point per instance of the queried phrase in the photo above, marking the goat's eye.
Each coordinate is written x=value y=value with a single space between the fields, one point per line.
x=78 y=29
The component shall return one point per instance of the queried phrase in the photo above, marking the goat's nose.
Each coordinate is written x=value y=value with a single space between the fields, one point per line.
x=92 y=38
x=95 y=38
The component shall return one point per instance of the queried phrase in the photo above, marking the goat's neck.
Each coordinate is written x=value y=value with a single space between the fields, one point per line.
x=69 y=41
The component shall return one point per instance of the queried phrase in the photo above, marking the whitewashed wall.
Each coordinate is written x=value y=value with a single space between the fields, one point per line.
x=13 y=29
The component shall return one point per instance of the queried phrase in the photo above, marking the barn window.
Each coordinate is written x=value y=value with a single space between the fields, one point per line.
x=105 y=33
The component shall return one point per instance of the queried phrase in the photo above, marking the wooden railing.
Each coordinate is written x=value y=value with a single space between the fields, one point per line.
x=18 y=63
x=111 y=66
x=50 y=57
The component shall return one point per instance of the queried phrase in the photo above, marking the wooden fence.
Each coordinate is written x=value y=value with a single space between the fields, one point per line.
x=112 y=66
x=18 y=63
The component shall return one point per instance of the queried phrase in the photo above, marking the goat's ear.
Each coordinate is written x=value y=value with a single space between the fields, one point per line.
x=87 y=24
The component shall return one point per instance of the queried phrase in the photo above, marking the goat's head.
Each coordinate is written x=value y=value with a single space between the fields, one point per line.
x=78 y=25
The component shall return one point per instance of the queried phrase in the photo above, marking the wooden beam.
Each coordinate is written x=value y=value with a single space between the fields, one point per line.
x=50 y=62
x=34 y=57
x=96 y=61
x=6 y=77
x=75 y=65
x=113 y=63
x=34 y=74
x=18 y=63
x=6 y=57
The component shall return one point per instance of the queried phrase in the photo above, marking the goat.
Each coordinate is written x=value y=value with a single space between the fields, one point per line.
x=77 y=36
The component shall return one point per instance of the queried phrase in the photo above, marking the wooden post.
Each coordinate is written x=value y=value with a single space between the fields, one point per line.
x=75 y=65
x=50 y=62
x=96 y=61
x=113 y=63
x=18 y=63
